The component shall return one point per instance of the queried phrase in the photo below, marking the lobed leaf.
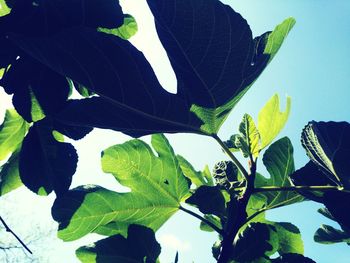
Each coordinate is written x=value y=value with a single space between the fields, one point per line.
x=157 y=187
x=271 y=120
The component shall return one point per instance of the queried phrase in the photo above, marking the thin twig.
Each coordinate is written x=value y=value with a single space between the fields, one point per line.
x=202 y=219
x=230 y=154
x=8 y=229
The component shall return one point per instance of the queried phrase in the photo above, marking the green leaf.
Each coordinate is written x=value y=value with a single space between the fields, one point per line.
x=4 y=9
x=329 y=235
x=12 y=132
x=266 y=47
x=36 y=111
x=209 y=200
x=289 y=238
x=125 y=31
x=271 y=120
x=248 y=247
x=9 y=175
x=248 y=142
x=212 y=219
x=197 y=178
x=279 y=162
x=327 y=144
x=139 y=246
x=46 y=165
x=157 y=187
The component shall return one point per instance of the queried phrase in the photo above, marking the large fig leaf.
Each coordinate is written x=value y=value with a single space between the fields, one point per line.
x=223 y=64
x=46 y=164
x=12 y=132
x=139 y=246
x=157 y=188
x=327 y=144
x=279 y=161
x=265 y=48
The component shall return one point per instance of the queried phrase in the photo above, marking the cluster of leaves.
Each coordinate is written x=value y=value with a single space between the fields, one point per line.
x=51 y=48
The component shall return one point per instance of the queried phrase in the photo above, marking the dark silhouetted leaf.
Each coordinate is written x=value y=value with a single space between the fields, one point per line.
x=279 y=161
x=209 y=200
x=329 y=235
x=328 y=144
x=248 y=247
x=150 y=203
x=338 y=205
x=139 y=246
x=293 y=258
x=46 y=164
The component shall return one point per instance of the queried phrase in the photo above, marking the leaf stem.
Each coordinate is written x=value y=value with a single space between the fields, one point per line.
x=230 y=154
x=300 y=188
x=218 y=230
x=8 y=229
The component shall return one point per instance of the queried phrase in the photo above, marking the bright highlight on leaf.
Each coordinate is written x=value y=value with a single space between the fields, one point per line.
x=271 y=120
x=125 y=31
x=157 y=188
x=12 y=132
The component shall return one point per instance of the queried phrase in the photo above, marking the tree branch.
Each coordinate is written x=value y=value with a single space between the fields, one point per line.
x=218 y=230
x=8 y=229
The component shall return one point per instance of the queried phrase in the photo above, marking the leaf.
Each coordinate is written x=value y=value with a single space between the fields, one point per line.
x=125 y=31
x=329 y=235
x=116 y=71
x=197 y=178
x=12 y=132
x=289 y=238
x=157 y=187
x=327 y=144
x=46 y=165
x=310 y=175
x=209 y=200
x=212 y=219
x=338 y=205
x=4 y=9
x=49 y=17
x=291 y=258
x=248 y=142
x=248 y=247
x=139 y=246
x=265 y=48
x=38 y=92
x=279 y=162
x=9 y=175
x=271 y=120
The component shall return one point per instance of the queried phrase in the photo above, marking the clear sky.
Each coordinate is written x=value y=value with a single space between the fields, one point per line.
x=311 y=67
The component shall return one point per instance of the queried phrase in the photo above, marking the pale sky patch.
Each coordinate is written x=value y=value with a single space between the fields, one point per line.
x=172 y=242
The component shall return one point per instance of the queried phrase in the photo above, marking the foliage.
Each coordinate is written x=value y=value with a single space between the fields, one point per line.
x=53 y=48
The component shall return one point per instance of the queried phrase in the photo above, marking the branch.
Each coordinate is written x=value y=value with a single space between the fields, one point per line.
x=300 y=188
x=230 y=154
x=218 y=230
x=8 y=229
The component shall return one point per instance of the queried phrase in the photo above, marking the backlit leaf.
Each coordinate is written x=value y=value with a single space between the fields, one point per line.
x=271 y=120
x=157 y=188
x=12 y=132
x=9 y=175
x=279 y=161
x=125 y=31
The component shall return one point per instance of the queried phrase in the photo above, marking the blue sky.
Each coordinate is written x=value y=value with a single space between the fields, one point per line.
x=311 y=67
